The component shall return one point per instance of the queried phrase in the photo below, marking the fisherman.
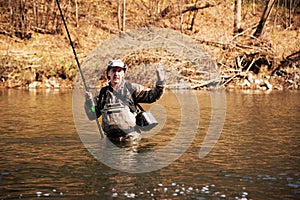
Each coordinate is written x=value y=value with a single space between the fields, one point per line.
x=117 y=102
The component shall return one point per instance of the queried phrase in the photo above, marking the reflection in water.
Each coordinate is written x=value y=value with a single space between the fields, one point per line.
x=256 y=157
x=183 y=133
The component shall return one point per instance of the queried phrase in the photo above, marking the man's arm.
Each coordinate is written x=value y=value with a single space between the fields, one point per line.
x=151 y=95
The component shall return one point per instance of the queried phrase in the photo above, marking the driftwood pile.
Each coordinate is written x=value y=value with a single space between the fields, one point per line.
x=258 y=71
x=250 y=63
x=255 y=70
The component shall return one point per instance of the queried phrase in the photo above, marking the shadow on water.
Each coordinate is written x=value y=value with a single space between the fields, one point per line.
x=256 y=156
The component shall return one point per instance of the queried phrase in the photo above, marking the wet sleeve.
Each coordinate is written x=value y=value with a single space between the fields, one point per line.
x=149 y=95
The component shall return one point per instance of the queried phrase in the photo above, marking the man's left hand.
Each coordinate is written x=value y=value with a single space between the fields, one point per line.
x=160 y=72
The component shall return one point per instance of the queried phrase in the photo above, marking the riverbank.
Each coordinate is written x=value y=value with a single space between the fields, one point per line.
x=270 y=62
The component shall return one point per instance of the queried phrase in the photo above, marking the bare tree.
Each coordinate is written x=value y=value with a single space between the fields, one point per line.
x=124 y=14
x=36 y=12
x=76 y=13
x=237 y=16
x=292 y=6
x=264 y=18
x=155 y=6
x=194 y=16
x=119 y=15
x=181 y=14
x=123 y=18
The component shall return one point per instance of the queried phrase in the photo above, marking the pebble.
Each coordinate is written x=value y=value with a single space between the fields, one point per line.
x=205 y=188
x=245 y=193
x=132 y=195
x=115 y=194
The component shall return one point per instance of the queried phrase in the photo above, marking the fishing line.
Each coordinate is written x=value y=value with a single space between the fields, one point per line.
x=78 y=64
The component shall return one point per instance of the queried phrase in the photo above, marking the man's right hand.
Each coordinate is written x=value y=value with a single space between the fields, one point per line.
x=88 y=96
x=89 y=103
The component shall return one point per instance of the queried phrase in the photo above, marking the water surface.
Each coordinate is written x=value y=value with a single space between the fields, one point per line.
x=256 y=157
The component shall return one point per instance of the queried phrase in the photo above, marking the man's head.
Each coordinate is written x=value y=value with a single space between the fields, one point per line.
x=115 y=71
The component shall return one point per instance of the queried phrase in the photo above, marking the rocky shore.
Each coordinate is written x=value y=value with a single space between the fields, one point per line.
x=35 y=78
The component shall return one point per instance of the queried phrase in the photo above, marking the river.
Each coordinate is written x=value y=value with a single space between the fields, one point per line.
x=255 y=157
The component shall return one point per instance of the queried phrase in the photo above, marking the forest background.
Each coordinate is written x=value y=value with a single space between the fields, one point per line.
x=255 y=43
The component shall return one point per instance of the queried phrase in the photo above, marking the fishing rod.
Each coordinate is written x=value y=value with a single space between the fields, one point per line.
x=78 y=64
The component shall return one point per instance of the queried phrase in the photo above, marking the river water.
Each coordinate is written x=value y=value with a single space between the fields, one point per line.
x=255 y=157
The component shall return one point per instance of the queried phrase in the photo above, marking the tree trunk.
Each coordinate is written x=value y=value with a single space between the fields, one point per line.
x=47 y=13
x=264 y=18
x=22 y=19
x=253 y=7
x=35 y=12
x=124 y=15
x=193 y=20
x=181 y=15
x=121 y=20
x=119 y=15
x=76 y=13
x=237 y=16
x=194 y=17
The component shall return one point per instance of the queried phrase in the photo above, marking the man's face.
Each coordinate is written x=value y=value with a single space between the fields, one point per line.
x=116 y=75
